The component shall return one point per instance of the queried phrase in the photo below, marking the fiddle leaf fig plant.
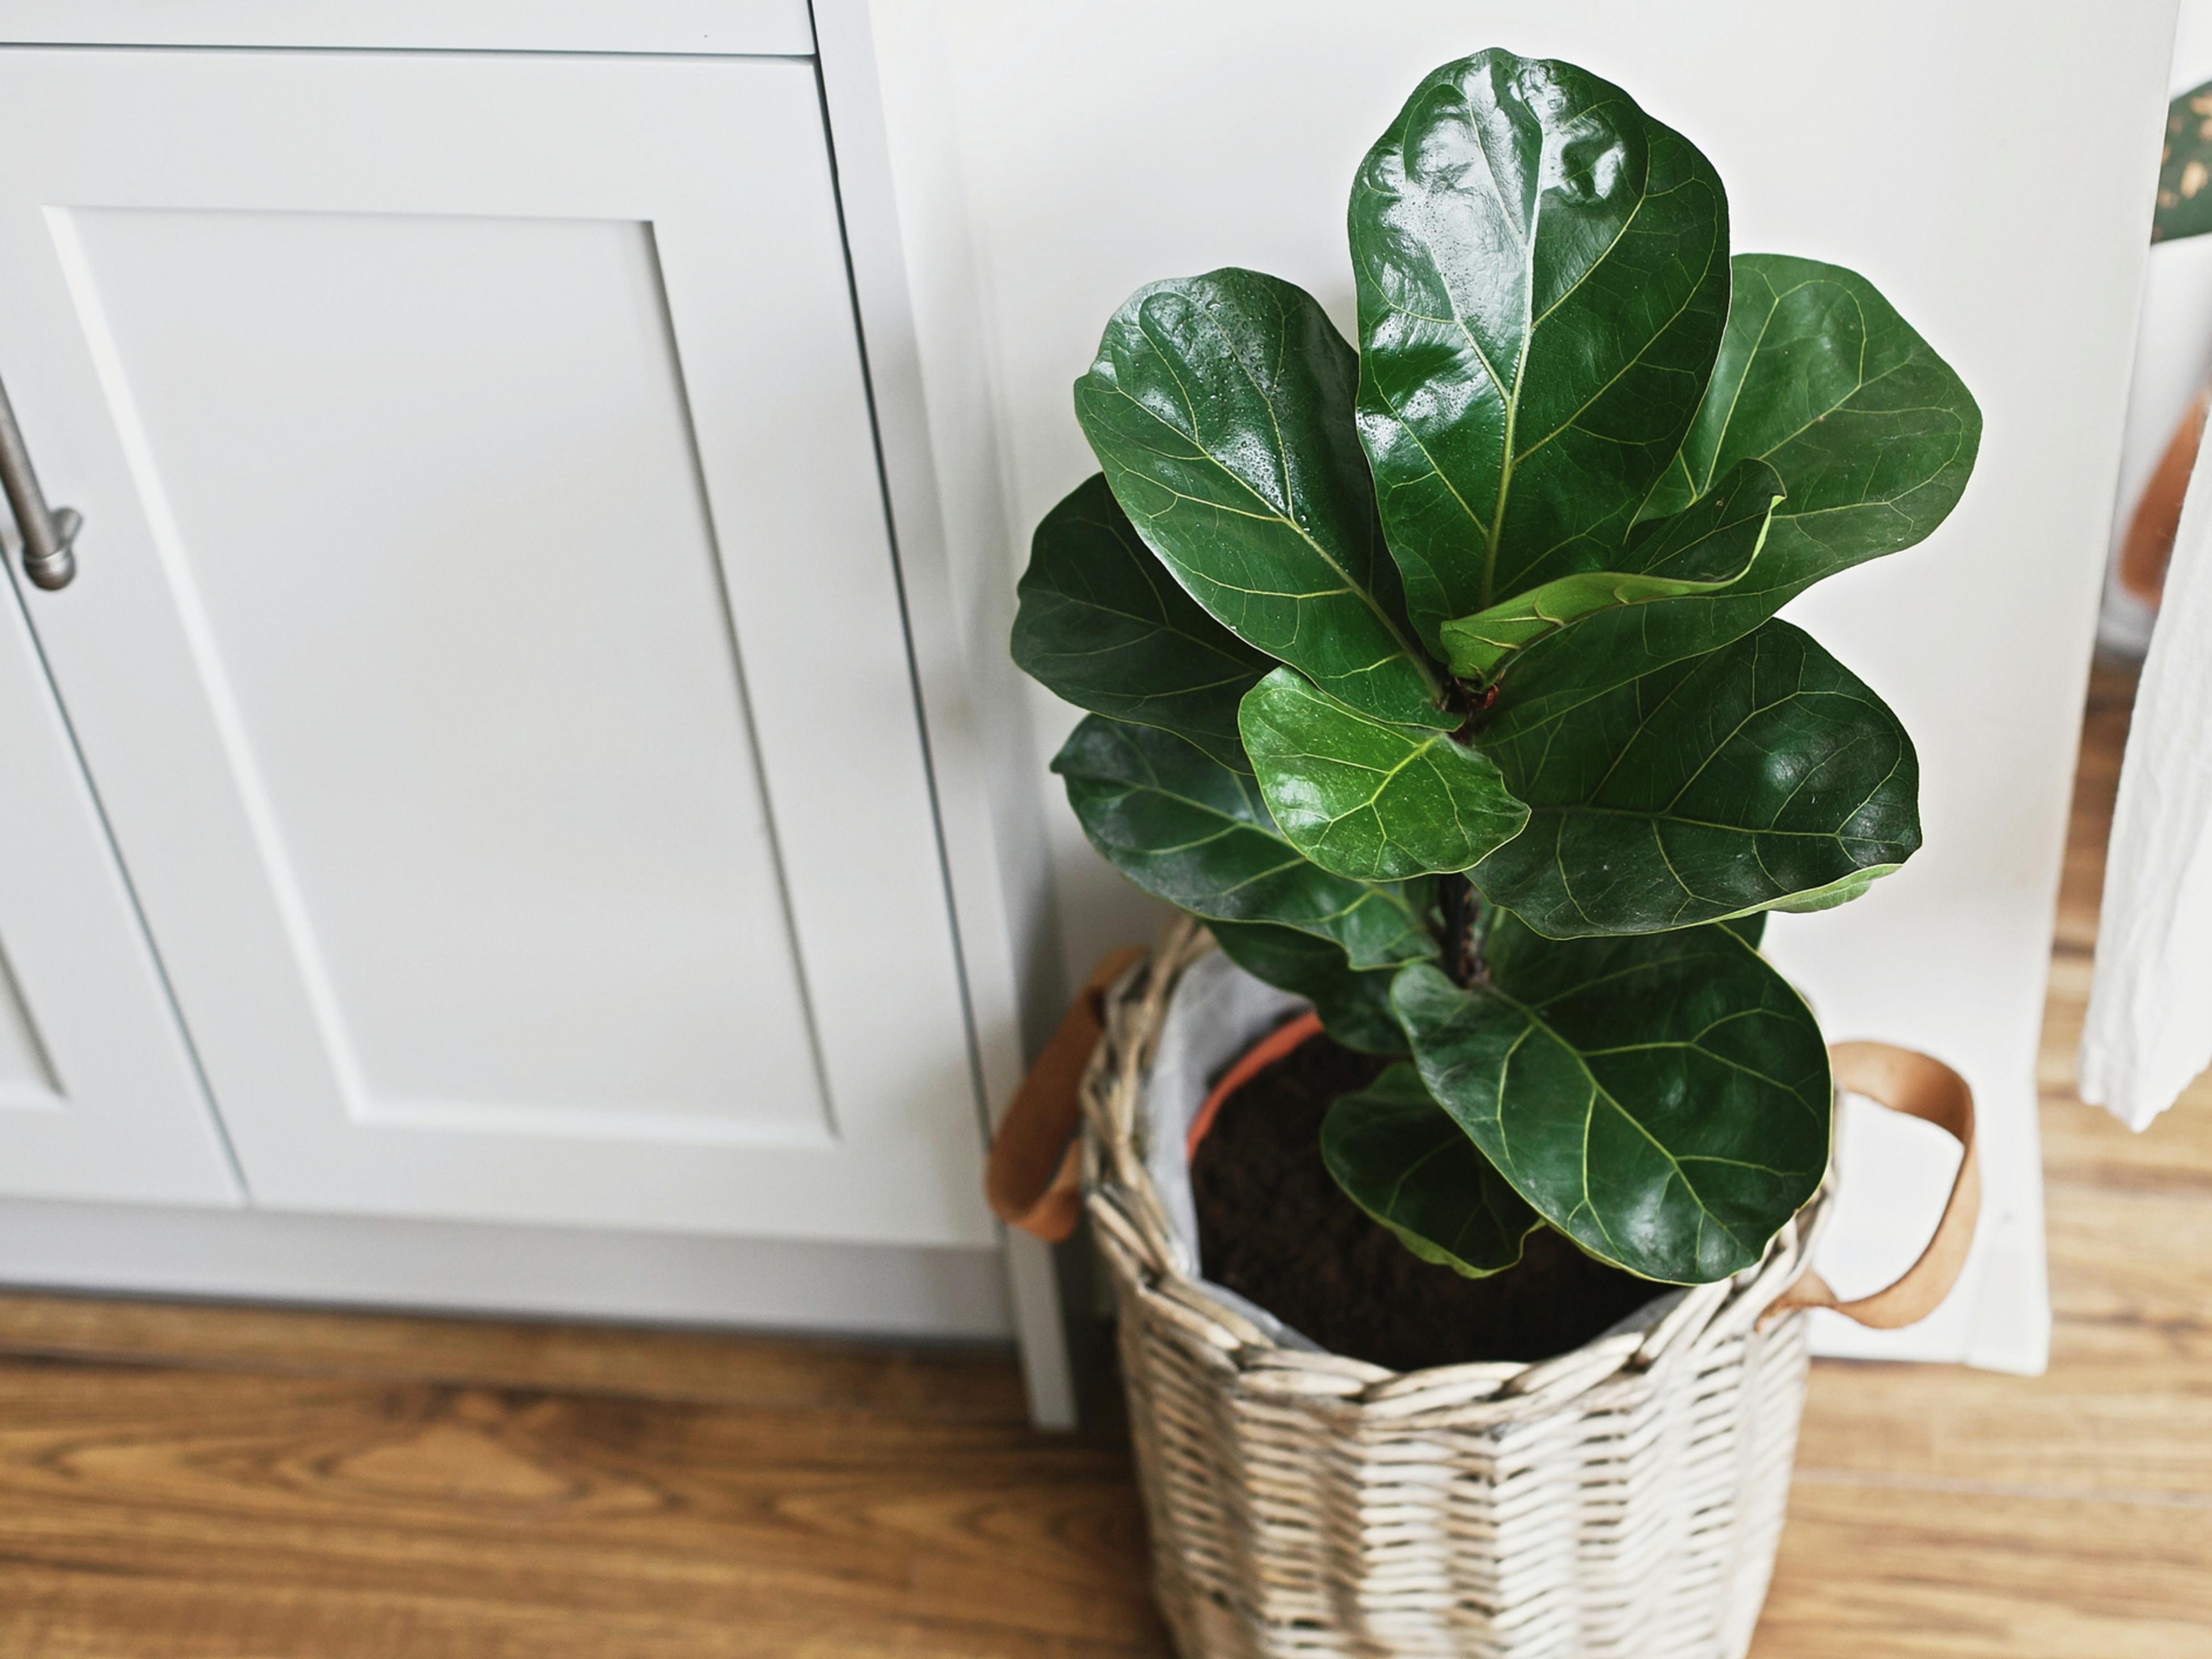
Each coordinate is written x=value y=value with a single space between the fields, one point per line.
x=1440 y=675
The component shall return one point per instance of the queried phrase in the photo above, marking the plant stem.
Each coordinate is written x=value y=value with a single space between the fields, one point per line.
x=1462 y=917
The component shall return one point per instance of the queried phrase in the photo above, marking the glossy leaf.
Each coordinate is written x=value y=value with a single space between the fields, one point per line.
x=1706 y=548
x=1190 y=830
x=1221 y=408
x=1353 y=1005
x=1542 y=277
x=1102 y=625
x=1400 y=1157
x=1664 y=1101
x=1872 y=433
x=1366 y=799
x=1765 y=773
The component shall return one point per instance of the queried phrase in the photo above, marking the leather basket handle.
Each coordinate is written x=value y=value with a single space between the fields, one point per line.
x=1035 y=1178
x=1922 y=1087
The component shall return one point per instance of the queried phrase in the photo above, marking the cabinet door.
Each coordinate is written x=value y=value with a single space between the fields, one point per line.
x=487 y=641
x=98 y=1097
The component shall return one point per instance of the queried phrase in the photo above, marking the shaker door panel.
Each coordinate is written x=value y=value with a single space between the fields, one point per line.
x=489 y=704
x=98 y=1097
x=487 y=639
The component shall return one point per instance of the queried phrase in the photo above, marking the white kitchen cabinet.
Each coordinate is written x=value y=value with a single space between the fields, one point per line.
x=98 y=1097
x=487 y=646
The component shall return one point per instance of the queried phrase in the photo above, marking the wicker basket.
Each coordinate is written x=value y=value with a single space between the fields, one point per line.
x=1625 y=1499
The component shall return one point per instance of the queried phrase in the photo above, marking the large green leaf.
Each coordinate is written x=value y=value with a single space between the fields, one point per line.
x=1765 y=773
x=1542 y=275
x=1102 y=625
x=1400 y=1157
x=1221 y=408
x=1188 y=830
x=1366 y=799
x=1354 y=1005
x=1872 y=433
x=1664 y=1101
x=1707 y=547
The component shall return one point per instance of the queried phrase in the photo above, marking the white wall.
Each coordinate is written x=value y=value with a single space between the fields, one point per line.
x=1986 y=162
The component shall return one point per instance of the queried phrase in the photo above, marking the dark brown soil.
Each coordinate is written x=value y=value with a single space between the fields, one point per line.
x=1274 y=1226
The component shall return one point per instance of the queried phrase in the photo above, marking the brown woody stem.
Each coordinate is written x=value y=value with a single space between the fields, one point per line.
x=1461 y=941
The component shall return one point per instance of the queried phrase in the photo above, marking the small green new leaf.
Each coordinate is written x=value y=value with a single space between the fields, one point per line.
x=1400 y=1157
x=1707 y=547
x=1663 y=1101
x=1221 y=408
x=1762 y=773
x=1354 y=1005
x=1102 y=625
x=1190 y=830
x=1542 y=277
x=1369 y=800
x=1842 y=891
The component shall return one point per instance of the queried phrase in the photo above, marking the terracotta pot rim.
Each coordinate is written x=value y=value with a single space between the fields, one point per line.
x=1293 y=1033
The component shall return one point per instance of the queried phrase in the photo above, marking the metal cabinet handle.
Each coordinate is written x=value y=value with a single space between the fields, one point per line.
x=48 y=558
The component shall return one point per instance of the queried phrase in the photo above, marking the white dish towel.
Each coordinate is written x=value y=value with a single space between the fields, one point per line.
x=2149 y=1031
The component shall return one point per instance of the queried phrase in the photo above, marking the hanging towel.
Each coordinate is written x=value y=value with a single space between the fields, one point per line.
x=2150 y=1030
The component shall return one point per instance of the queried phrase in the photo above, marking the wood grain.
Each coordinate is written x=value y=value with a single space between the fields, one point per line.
x=165 y=1511
x=182 y=1482
x=966 y=1382
x=1910 y=1572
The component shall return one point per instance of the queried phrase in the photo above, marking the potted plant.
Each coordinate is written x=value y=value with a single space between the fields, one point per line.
x=1440 y=678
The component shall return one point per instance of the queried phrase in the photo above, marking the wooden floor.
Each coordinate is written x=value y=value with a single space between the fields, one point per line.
x=232 y=1485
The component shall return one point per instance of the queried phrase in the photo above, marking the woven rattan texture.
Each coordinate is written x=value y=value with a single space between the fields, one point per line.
x=1624 y=1499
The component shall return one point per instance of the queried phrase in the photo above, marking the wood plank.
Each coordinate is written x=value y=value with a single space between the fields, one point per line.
x=205 y=1513
x=972 y=1384
x=1908 y=1573
x=2095 y=1431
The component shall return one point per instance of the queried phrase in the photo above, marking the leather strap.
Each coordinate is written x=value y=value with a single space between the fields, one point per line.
x=1925 y=1088
x=1034 y=1177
